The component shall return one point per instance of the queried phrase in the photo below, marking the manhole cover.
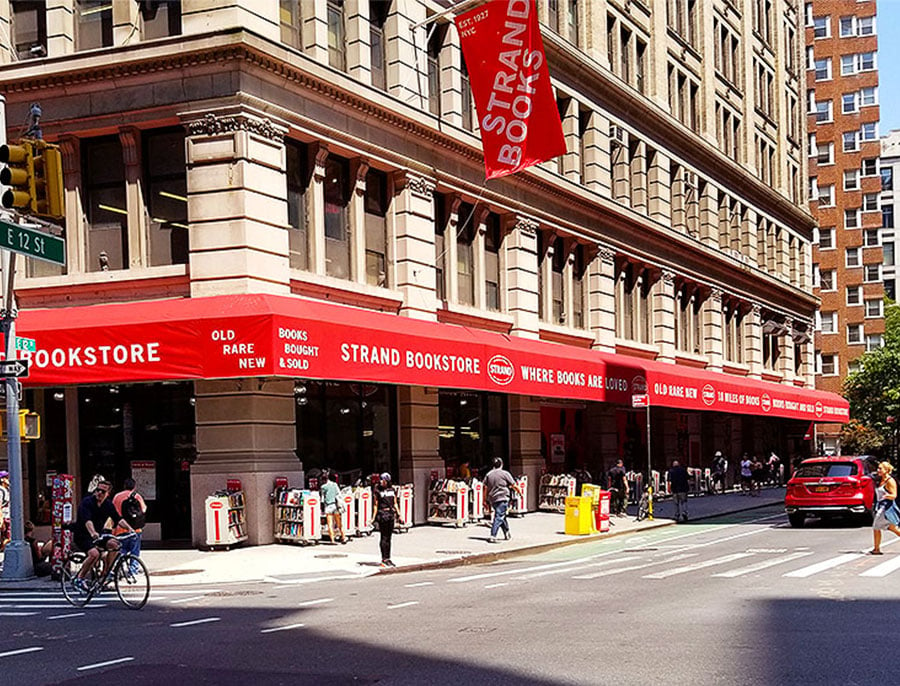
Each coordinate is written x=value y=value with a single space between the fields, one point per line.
x=452 y=552
x=176 y=572
x=231 y=594
x=331 y=556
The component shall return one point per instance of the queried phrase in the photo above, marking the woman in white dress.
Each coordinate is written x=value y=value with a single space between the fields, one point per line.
x=887 y=517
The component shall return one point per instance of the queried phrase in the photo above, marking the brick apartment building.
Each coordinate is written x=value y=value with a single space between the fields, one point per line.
x=845 y=187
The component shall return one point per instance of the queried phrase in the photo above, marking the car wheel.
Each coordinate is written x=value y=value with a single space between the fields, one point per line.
x=796 y=519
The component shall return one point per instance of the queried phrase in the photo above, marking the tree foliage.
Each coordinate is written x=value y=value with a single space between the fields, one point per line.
x=859 y=439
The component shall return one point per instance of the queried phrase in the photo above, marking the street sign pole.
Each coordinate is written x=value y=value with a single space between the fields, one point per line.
x=649 y=469
x=17 y=563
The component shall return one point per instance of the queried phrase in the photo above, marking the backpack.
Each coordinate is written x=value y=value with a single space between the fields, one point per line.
x=132 y=512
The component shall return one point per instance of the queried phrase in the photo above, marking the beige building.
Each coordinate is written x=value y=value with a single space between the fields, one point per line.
x=328 y=151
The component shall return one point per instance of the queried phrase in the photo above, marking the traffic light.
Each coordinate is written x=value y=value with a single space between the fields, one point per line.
x=18 y=176
x=34 y=176
x=29 y=425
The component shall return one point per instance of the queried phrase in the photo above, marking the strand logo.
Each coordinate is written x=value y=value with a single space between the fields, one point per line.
x=820 y=409
x=500 y=370
x=709 y=395
x=766 y=402
x=639 y=386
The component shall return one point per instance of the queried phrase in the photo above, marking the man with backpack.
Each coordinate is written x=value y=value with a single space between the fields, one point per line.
x=131 y=506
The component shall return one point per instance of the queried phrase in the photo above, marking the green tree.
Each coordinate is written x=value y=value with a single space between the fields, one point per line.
x=859 y=439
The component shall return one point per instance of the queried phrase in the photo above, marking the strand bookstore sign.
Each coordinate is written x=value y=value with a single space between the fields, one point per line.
x=236 y=336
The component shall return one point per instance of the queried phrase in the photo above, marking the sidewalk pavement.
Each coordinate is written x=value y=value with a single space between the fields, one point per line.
x=422 y=547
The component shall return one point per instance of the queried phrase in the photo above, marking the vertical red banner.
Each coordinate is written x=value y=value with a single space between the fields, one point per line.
x=517 y=112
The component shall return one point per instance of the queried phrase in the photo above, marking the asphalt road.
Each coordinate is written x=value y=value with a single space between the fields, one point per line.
x=742 y=599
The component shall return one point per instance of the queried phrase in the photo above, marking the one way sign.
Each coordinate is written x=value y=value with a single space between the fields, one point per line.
x=17 y=368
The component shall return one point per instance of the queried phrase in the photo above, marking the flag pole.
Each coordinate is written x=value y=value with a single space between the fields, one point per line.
x=458 y=7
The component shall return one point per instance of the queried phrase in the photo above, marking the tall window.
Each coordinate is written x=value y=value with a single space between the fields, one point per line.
x=733 y=333
x=579 y=273
x=632 y=304
x=435 y=45
x=378 y=12
x=687 y=319
x=298 y=177
x=166 y=196
x=337 y=228
x=492 y=241
x=771 y=349
x=337 y=43
x=467 y=115
x=93 y=24
x=440 y=223
x=465 y=254
x=376 y=203
x=573 y=19
x=105 y=204
x=557 y=282
x=290 y=22
x=29 y=29
x=160 y=19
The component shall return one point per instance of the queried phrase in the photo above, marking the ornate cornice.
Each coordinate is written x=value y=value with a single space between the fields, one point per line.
x=418 y=185
x=214 y=124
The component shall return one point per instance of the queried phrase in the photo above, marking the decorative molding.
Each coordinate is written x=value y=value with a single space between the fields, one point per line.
x=526 y=226
x=319 y=159
x=716 y=295
x=606 y=253
x=756 y=309
x=70 y=146
x=130 y=138
x=420 y=186
x=360 y=167
x=668 y=276
x=212 y=125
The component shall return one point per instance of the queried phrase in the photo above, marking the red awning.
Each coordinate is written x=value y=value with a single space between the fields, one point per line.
x=265 y=335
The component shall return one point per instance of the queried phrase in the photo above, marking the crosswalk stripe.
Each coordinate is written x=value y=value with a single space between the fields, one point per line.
x=884 y=568
x=697 y=565
x=632 y=568
x=566 y=570
x=759 y=566
x=805 y=572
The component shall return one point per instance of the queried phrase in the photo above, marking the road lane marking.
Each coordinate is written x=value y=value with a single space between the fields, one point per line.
x=507 y=572
x=58 y=606
x=186 y=600
x=281 y=628
x=502 y=583
x=666 y=573
x=759 y=566
x=320 y=601
x=73 y=614
x=17 y=614
x=627 y=558
x=419 y=584
x=804 y=572
x=21 y=651
x=631 y=568
x=884 y=568
x=196 y=621
x=98 y=665
x=399 y=605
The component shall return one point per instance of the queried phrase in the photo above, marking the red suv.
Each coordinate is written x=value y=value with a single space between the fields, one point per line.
x=826 y=486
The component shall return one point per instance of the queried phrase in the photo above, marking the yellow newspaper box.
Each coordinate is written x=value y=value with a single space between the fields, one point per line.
x=579 y=515
x=593 y=492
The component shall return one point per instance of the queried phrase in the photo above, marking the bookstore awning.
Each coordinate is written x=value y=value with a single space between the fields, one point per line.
x=236 y=336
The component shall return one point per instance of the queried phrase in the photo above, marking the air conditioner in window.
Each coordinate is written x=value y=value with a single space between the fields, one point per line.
x=618 y=135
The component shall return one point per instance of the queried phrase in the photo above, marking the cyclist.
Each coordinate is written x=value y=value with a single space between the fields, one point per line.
x=93 y=513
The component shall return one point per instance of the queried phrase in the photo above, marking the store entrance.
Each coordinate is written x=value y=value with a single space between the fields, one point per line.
x=146 y=431
x=472 y=430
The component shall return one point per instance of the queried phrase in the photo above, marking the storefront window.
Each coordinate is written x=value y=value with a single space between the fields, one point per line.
x=472 y=428
x=105 y=205
x=347 y=427
x=150 y=424
x=166 y=190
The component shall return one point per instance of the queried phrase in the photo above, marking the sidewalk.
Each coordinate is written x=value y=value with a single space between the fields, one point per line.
x=423 y=547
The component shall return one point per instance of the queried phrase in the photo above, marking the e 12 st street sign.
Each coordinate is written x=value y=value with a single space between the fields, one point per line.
x=37 y=244
x=15 y=368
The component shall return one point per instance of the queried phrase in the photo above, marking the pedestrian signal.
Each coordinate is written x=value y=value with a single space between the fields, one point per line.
x=29 y=425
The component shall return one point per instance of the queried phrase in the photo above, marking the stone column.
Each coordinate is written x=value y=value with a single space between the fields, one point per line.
x=451 y=80
x=807 y=367
x=786 y=360
x=525 y=443
x=414 y=269
x=638 y=173
x=602 y=299
x=60 y=28
x=709 y=216
x=315 y=210
x=660 y=202
x=753 y=341
x=595 y=148
x=479 y=217
x=126 y=23
x=76 y=233
x=419 y=443
x=130 y=139
x=451 y=249
x=407 y=71
x=237 y=205
x=259 y=16
x=663 y=294
x=545 y=266
x=571 y=160
x=245 y=430
x=713 y=322
x=749 y=239
x=520 y=247
x=359 y=49
x=314 y=33
x=6 y=56
x=358 y=170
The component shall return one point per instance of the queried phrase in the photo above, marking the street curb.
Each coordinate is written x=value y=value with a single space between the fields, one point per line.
x=480 y=558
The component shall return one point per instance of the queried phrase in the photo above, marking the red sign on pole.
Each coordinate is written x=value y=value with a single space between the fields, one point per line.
x=517 y=111
x=642 y=400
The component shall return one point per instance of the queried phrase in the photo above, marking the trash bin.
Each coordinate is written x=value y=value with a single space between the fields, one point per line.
x=602 y=512
x=579 y=515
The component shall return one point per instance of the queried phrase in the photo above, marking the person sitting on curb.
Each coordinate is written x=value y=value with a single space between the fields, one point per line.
x=41 y=552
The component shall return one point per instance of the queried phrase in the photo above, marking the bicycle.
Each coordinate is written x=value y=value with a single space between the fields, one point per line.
x=128 y=574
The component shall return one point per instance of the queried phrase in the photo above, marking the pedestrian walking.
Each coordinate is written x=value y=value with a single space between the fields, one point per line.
x=746 y=474
x=679 y=482
x=387 y=511
x=497 y=484
x=719 y=472
x=618 y=488
x=887 y=516
x=331 y=500
x=757 y=475
x=774 y=469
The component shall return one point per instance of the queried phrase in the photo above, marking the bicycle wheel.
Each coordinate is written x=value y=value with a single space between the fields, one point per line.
x=133 y=587
x=71 y=566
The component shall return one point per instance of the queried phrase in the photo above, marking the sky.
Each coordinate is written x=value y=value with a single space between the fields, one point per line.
x=889 y=64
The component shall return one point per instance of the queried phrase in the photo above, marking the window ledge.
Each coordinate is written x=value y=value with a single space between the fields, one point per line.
x=566 y=335
x=643 y=350
x=346 y=292
x=768 y=375
x=736 y=368
x=465 y=315
x=691 y=359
